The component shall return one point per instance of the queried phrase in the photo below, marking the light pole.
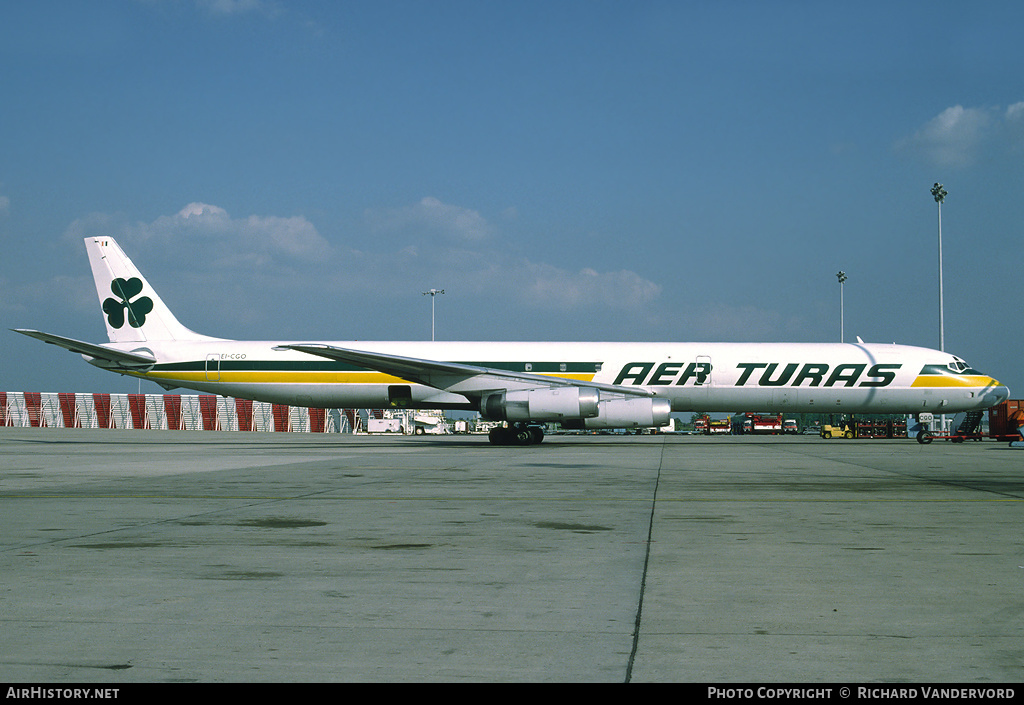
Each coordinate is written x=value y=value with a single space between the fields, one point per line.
x=842 y=333
x=939 y=194
x=432 y=293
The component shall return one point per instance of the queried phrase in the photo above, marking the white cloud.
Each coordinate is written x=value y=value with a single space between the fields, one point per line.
x=953 y=137
x=471 y=257
x=237 y=7
x=202 y=232
x=1015 y=125
x=959 y=136
x=262 y=267
x=431 y=216
x=202 y=210
x=546 y=286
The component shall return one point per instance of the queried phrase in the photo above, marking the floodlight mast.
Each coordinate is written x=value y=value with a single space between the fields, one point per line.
x=432 y=293
x=939 y=194
x=842 y=333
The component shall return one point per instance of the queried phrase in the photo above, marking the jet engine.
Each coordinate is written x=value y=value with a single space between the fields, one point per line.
x=547 y=404
x=575 y=407
x=626 y=413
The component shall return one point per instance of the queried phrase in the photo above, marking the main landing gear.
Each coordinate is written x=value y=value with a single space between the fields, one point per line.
x=516 y=434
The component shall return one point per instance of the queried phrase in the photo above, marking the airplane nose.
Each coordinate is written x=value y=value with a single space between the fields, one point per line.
x=996 y=396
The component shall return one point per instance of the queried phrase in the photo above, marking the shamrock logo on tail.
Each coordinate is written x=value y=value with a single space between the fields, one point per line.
x=125 y=289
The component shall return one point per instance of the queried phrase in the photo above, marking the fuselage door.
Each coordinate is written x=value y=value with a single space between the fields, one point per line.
x=213 y=367
x=703 y=371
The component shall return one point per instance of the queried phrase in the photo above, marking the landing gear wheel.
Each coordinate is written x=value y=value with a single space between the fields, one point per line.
x=499 y=436
x=518 y=434
x=924 y=437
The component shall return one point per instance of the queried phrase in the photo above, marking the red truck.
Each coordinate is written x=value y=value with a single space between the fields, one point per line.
x=762 y=423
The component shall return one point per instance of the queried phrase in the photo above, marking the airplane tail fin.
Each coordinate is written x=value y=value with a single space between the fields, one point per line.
x=132 y=310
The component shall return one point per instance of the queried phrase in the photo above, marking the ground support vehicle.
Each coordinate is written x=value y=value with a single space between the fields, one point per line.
x=829 y=431
x=760 y=423
x=999 y=426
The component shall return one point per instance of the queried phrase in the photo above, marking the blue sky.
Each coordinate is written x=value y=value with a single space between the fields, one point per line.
x=564 y=170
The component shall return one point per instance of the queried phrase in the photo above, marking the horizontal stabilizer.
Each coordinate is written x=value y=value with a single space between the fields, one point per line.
x=128 y=360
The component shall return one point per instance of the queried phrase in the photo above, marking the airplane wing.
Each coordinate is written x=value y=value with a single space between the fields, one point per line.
x=453 y=377
x=127 y=360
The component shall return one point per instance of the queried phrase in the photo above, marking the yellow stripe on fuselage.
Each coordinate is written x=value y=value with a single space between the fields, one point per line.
x=296 y=377
x=954 y=381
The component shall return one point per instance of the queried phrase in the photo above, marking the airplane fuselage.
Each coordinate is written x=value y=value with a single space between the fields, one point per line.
x=716 y=377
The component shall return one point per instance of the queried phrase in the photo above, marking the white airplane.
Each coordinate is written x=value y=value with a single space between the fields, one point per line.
x=526 y=384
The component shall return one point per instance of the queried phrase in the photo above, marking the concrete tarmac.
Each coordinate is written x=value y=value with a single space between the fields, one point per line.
x=160 y=556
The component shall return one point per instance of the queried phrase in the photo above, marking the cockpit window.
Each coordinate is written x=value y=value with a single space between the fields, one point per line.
x=958 y=365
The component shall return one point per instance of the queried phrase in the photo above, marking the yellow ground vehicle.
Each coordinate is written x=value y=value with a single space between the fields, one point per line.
x=836 y=431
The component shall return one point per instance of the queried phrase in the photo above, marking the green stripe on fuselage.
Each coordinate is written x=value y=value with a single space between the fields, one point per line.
x=336 y=366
